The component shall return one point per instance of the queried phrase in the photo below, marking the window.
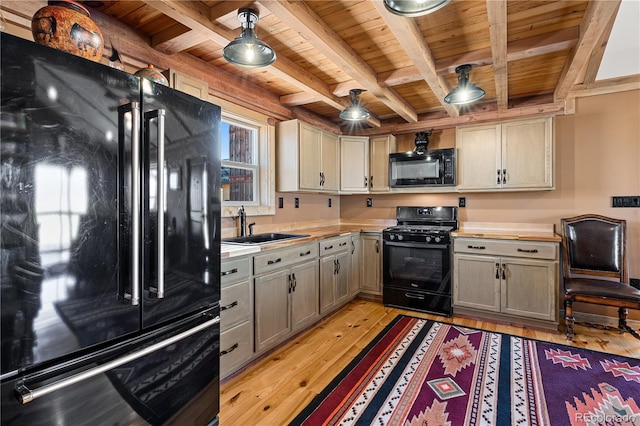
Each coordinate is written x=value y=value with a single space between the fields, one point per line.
x=240 y=169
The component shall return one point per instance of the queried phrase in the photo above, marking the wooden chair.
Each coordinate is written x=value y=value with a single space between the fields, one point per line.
x=595 y=267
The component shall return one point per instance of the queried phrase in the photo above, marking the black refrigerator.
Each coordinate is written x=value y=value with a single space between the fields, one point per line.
x=110 y=242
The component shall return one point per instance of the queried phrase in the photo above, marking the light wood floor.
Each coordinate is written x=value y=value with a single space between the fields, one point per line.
x=275 y=388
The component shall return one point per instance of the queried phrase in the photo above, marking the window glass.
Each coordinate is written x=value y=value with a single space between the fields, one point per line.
x=239 y=154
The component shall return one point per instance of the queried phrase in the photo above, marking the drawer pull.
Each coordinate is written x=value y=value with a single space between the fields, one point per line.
x=342 y=244
x=232 y=271
x=476 y=247
x=229 y=306
x=308 y=252
x=231 y=349
x=414 y=296
x=527 y=250
x=271 y=262
x=414 y=285
x=328 y=247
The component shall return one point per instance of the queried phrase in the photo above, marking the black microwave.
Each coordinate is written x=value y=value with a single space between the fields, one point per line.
x=436 y=167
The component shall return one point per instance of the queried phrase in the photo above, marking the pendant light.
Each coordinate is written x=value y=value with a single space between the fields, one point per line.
x=464 y=92
x=414 y=7
x=248 y=50
x=355 y=111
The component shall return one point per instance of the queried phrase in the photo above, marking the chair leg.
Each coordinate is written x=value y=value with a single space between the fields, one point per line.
x=569 y=320
x=622 y=322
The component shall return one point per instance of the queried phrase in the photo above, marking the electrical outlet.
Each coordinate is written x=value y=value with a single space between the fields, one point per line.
x=369 y=202
x=635 y=282
x=628 y=201
x=280 y=202
x=329 y=202
x=462 y=202
x=296 y=202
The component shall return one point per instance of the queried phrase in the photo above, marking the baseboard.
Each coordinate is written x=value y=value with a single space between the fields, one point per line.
x=600 y=319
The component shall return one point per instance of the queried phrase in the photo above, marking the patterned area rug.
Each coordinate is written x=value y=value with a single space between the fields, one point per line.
x=422 y=372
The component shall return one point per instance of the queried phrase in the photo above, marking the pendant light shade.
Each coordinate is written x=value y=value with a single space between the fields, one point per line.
x=355 y=111
x=248 y=50
x=414 y=7
x=464 y=92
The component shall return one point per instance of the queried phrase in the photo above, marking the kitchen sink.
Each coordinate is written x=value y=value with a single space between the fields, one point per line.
x=262 y=238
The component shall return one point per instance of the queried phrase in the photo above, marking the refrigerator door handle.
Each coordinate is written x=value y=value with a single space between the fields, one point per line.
x=25 y=395
x=134 y=109
x=160 y=196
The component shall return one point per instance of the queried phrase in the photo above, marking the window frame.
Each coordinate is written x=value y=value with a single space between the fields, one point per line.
x=254 y=167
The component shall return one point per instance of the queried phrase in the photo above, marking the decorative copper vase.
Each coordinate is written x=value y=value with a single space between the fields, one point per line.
x=152 y=74
x=67 y=25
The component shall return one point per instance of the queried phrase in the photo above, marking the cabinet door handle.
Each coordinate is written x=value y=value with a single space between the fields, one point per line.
x=229 y=272
x=527 y=250
x=504 y=175
x=229 y=306
x=504 y=271
x=498 y=181
x=377 y=246
x=305 y=254
x=294 y=282
x=353 y=247
x=477 y=247
x=231 y=349
x=271 y=262
x=370 y=181
x=497 y=271
x=338 y=265
x=365 y=182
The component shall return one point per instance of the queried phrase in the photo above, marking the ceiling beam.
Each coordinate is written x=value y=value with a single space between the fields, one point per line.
x=408 y=34
x=497 y=15
x=595 y=21
x=596 y=56
x=305 y=22
x=195 y=15
x=516 y=50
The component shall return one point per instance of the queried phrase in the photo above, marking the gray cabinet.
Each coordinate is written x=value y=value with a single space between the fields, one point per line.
x=334 y=272
x=236 y=314
x=507 y=280
x=371 y=263
x=354 y=265
x=286 y=293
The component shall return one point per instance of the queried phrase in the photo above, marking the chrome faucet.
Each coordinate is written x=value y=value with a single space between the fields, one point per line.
x=243 y=221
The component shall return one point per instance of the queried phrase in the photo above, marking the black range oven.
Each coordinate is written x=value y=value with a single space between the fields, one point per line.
x=417 y=259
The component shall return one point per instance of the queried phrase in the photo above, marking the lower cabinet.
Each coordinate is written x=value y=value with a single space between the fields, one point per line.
x=507 y=280
x=236 y=315
x=334 y=272
x=354 y=265
x=371 y=263
x=287 y=299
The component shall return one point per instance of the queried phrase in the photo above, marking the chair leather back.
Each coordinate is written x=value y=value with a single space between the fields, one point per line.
x=595 y=246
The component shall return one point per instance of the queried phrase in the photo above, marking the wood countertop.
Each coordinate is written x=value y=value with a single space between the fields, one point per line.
x=313 y=234
x=508 y=231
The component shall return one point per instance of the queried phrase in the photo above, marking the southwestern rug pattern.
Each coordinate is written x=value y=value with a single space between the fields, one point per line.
x=422 y=372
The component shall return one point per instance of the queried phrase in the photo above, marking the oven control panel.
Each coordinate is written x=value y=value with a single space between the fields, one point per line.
x=417 y=237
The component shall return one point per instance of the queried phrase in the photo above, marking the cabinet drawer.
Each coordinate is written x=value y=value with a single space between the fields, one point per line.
x=278 y=259
x=235 y=348
x=528 y=249
x=235 y=304
x=334 y=245
x=234 y=270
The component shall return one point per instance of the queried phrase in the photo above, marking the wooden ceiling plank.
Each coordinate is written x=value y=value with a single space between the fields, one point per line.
x=594 y=23
x=413 y=42
x=304 y=21
x=197 y=18
x=497 y=15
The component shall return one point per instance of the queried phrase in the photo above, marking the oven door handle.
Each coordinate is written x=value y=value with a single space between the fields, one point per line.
x=418 y=245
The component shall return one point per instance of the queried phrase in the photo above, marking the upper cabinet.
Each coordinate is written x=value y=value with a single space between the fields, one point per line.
x=308 y=158
x=365 y=163
x=509 y=155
